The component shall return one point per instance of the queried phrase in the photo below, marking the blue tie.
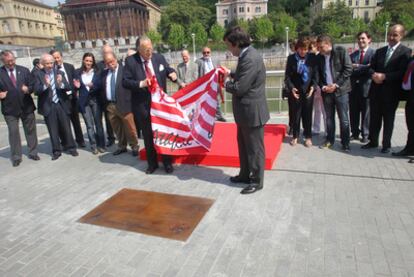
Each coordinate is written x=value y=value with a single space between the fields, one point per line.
x=113 y=84
x=55 y=97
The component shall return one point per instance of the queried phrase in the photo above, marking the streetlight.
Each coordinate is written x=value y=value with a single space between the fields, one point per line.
x=387 y=24
x=194 y=53
x=287 y=41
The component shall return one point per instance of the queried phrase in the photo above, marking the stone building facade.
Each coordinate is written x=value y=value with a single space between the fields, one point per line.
x=229 y=10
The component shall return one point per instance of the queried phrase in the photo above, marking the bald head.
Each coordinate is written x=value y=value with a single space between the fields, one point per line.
x=106 y=49
x=185 y=55
x=395 y=34
x=111 y=61
x=47 y=61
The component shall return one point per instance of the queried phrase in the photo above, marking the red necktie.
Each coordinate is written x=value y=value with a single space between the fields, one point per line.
x=12 y=77
x=408 y=72
x=148 y=72
x=361 y=56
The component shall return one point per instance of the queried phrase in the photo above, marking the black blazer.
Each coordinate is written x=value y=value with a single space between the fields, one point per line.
x=122 y=95
x=390 y=89
x=294 y=80
x=83 y=93
x=361 y=76
x=44 y=100
x=70 y=75
x=134 y=73
x=16 y=102
x=341 y=68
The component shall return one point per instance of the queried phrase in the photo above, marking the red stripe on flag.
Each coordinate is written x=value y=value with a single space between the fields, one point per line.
x=190 y=87
x=169 y=123
x=165 y=108
x=202 y=140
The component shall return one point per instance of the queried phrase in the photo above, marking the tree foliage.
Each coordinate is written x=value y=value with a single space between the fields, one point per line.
x=176 y=37
x=154 y=36
x=216 y=32
x=280 y=22
x=200 y=33
x=261 y=29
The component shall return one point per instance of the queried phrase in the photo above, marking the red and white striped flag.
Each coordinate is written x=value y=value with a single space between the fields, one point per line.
x=183 y=124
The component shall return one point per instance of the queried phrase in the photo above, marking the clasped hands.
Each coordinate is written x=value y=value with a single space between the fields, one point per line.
x=378 y=78
x=296 y=94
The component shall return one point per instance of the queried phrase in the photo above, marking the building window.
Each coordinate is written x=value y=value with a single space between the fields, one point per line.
x=258 y=9
x=226 y=22
x=357 y=3
x=350 y=3
x=234 y=10
x=241 y=9
x=248 y=9
x=225 y=12
x=366 y=16
x=6 y=27
x=366 y=2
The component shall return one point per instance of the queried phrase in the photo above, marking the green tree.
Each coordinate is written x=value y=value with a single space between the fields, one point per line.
x=200 y=34
x=154 y=36
x=239 y=22
x=216 y=32
x=338 y=14
x=281 y=21
x=261 y=29
x=377 y=26
x=176 y=37
x=357 y=25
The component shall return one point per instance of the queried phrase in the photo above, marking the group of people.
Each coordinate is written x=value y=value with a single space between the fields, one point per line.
x=364 y=88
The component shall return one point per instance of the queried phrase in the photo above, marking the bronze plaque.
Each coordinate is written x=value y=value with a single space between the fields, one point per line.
x=152 y=213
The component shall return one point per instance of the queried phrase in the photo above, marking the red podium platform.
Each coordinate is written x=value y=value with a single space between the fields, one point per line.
x=224 y=150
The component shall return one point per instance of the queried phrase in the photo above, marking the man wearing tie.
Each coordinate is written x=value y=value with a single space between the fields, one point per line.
x=139 y=70
x=360 y=82
x=51 y=87
x=388 y=66
x=205 y=65
x=69 y=71
x=187 y=71
x=17 y=104
x=117 y=102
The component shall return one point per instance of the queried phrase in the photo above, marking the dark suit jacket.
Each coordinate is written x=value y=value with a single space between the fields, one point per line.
x=122 y=95
x=44 y=100
x=94 y=92
x=361 y=76
x=16 y=102
x=294 y=80
x=134 y=73
x=390 y=89
x=248 y=90
x=70 y=75
x=341 y=68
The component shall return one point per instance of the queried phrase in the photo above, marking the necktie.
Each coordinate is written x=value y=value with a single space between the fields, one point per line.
x=361 y=56
x=388 y=55
x=55 y=97
x=12 y=77
x=113 y=84
x=148 y=72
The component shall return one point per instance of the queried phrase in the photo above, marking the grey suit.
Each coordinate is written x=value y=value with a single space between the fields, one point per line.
x=187 y=73
x=250 y=113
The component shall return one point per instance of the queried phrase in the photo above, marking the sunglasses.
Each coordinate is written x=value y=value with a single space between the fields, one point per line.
x=206 y=52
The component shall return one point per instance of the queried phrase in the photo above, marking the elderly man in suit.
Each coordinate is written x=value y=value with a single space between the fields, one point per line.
x=388 y=66
x=360 y=82
x=117 y=102
x=17 y=104
x=187 y=71
x=139 y=70
x=334 y=70
x=247 y=86
x=205 y=65
x=53 y=103
x=69 y=71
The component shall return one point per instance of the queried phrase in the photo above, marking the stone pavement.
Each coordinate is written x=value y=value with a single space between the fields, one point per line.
x=321 y=213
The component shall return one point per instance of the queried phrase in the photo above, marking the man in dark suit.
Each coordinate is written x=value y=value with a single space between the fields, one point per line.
x=69 y=71
x=17 y=104
x=408 y=86
x=360 y=81
x=53 y=103
x=205 y=65
x=117 y=102
x=139 y=69
x=247 y=86
x=388 y=66
x=334 y=70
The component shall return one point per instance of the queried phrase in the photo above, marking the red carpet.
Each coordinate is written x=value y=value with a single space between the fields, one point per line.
x=224 y=148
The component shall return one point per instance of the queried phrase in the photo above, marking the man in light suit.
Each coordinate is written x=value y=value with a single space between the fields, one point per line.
x=187 y=71
x=205 y=65
x=360 y=82
x=53 y=103
x=388 y=66
x=117 y=102
x=247 y=86
x=17 y=104
x=139 y=69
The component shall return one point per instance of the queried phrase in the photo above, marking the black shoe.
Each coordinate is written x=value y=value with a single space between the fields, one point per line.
x=169 y=168
x=251 y=188
x=238 y=179
x=411 y=161
x=34 y=157
x=221 y=119
x=151 y=169
x=135 y=151
x=369 y=145
x=95 y=151
x=81 y=144
x=403 y=153
x=364 y=140
x=346 y=148
x=119 y=151
x=110 y=143
x=385 y=150
x=74 y=153
x=56 y=156
x=16 y=163
x=354 y=137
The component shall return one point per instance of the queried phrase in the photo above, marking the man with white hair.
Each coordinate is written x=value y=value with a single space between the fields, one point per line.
x=187 y=71
x=53 y=103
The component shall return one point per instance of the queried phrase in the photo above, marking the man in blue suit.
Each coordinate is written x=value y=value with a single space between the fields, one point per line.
x=360 y=82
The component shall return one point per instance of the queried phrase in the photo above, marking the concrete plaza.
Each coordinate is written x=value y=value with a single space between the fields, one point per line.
x=321 y=213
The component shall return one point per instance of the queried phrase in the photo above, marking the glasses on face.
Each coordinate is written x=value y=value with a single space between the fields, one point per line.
x=206 y=52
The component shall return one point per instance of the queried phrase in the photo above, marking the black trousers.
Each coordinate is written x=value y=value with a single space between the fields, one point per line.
x=58 y=122
x=409 y=118
x=382 y=110
x=302 y=108
x=74 y=118
x=250 y=141
x=339 y=103
x=359 y=114
x=143 y=120
x=29 y=127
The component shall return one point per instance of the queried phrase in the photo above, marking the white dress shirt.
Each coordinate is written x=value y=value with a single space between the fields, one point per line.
x=143 y=83
x=87 y=78
x=328 y=72
x=108 y=83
